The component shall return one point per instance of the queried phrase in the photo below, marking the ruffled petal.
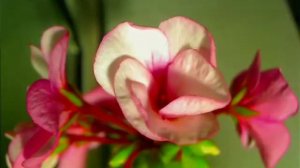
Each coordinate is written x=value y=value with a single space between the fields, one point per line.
x=183 y=33
x=44 y=105
x=273 y=97
x=74 y=157
x=197 y=86
x=132 y=70
x=148 y=45
x=272 y=139
x=181 y=130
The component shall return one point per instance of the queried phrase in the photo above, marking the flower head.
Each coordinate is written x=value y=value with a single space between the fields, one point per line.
x=165 y=79
x=262 y=102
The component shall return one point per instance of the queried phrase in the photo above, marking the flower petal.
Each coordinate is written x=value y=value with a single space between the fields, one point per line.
x=272 y=139
x=57 y=62
x=38 y=62
x=181 y=130
x=273 y=97
x=74 y=157
x=100 y=98
x=31 y=147
x=197 y=86
x=132 y=70
x=148 y=45
x=50 y=38
x=183 y=33
x=44 y=105
x=249 y=78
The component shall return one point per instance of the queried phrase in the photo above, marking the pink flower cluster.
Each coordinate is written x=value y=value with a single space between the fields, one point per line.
x=157 y=85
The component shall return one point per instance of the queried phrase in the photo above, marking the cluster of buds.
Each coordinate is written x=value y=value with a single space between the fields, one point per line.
x=160 y=90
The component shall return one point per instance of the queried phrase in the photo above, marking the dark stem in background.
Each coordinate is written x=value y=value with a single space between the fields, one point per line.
x=76 y=25
x=295 y=9
x=64 y=10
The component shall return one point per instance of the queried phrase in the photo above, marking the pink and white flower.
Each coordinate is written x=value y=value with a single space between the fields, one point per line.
x=165 y=79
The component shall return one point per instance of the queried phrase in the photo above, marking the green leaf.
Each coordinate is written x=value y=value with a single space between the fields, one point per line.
x=203 y=148
x=245 y=111
x=120 y=158
x=239 y=96
x=168 y=152
x=191 y=161
x=72 y=97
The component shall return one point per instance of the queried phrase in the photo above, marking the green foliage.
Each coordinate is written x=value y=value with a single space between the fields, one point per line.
x=245 y=111
x=203 y=148
x=120 y=158
x=168 y=152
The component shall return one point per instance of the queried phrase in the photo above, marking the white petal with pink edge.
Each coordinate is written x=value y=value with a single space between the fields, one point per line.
x=196 y=85
x=132 y=70
x=182 y=130
x=183 y=33
x=148 y=45
x=50 y=38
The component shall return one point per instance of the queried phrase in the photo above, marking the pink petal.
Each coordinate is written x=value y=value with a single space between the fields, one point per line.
x=100 y=98
x=74 y=157
x=31 y=147
x=97 y=95
x=38 y=62
x=131 y=69
x=198 y=86
x=248 y=78
x=49 y=40
x=148 y=45
x=57 y=62
x=244 y=134
x=183 y=33
x=181 y=130
x=273 y=97
x=272 y=139
x=44 y=105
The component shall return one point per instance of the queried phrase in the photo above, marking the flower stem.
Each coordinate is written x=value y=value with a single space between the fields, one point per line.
x=105 y=118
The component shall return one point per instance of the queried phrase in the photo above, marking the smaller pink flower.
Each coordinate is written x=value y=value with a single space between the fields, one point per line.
x=51 y=103
x=47 y=104
x=262 y=102
x=165 y=79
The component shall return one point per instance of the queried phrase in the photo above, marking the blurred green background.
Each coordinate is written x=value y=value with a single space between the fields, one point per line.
x=239 y=28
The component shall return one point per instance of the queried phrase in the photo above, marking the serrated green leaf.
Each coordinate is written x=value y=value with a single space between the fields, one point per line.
x=243 y=111
x=168 y=152
x=120 y=158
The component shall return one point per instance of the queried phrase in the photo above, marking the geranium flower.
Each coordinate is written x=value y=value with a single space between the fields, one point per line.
x=165 y=79
x=262 y=102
